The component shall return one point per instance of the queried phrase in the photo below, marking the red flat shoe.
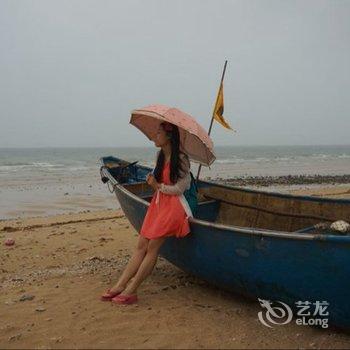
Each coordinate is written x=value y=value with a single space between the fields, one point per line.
x=125 y=299
x=108 y=295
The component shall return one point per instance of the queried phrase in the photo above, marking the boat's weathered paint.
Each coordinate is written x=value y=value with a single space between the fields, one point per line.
x=259 y=263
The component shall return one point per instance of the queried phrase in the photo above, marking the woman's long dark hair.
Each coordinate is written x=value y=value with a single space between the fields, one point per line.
x=175 y=166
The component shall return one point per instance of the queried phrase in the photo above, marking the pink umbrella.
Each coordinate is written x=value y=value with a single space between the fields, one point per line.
x=194 y=140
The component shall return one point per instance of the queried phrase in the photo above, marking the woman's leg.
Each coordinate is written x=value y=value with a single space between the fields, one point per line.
x=133 y=264
x=146 y=266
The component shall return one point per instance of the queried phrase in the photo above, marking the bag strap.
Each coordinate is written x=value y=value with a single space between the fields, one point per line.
x=194 y=181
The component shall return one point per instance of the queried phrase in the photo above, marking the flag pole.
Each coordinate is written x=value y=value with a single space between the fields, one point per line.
x=212 y=118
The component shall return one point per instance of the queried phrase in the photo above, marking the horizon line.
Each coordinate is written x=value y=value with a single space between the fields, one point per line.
x=246 y=145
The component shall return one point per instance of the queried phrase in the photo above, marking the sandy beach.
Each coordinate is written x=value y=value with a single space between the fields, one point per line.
x=51 y=280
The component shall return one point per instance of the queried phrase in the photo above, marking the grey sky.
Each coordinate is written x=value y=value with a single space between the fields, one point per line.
x=71 y=71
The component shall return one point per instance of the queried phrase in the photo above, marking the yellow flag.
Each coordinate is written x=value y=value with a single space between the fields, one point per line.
x=219 y=109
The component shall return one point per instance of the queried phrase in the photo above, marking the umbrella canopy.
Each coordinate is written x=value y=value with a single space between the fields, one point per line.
x=194 y=140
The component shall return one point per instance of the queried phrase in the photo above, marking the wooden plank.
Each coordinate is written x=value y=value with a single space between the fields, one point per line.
x=264 y=210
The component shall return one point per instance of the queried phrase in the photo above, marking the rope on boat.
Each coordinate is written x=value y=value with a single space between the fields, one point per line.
x=109 y=189
x=105 y=179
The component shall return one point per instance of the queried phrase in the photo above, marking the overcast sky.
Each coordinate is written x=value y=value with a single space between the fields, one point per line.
x=71 y=71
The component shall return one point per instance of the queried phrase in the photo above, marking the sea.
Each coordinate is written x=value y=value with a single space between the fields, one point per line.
x=46 y=181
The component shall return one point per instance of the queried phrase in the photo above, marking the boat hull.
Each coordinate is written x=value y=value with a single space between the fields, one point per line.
x=259 y=264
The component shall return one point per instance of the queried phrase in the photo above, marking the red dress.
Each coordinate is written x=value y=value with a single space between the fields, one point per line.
x=168 y=216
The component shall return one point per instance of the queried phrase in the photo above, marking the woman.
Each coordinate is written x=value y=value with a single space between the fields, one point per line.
x=167 y=214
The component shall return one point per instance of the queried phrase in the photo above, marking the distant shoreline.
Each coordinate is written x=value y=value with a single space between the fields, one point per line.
x=283 y=180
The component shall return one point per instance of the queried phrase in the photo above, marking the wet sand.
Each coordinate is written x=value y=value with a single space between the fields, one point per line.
x=61 y=264
x=48 y=197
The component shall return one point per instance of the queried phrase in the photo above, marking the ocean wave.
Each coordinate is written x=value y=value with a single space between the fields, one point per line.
x=21 y=166
x=12 y=167
x=324 y=156
x=344 y=155
x=241 y=160
x=80 y=168
x=46 y=165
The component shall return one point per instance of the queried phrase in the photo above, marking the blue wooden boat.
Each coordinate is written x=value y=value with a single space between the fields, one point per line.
x=256 y=243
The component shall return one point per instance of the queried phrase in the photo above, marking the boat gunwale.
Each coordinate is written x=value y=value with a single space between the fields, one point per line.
x=272 y=193
x=283 y=195
x=239 y=229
